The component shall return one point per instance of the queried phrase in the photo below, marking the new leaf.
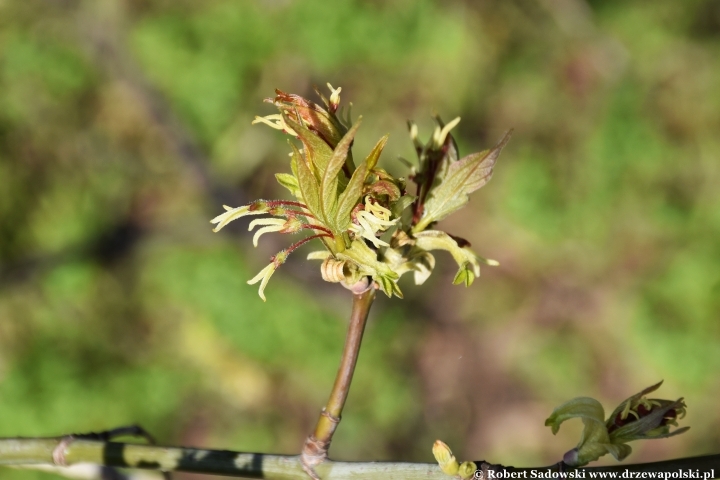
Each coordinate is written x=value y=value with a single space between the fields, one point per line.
x=456 y=181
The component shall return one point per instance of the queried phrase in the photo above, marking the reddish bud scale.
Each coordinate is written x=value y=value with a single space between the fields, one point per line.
x=355 y=210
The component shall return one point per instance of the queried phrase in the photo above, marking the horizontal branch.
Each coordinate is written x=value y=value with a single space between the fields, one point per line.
x=65 y=451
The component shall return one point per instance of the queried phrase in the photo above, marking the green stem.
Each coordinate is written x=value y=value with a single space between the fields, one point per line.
x=316 y=446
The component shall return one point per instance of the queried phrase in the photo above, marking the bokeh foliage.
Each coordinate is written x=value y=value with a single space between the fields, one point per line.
x=125 y=125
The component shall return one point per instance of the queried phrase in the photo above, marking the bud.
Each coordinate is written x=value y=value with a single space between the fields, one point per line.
x=334 y=98
x=637 y=418
x=641 y=418
x=445 y=458
x=467 y=470
x=322 y=122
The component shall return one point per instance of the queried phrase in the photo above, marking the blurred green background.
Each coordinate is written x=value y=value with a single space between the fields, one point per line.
x=125 y=125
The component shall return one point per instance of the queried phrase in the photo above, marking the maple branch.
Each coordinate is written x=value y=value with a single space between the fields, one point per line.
x=64 y=452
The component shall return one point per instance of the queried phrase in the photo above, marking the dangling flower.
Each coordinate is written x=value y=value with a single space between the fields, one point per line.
x=255 y=208
x=264 y=275
x=295 y=218
x=277 y=260
x=373 y=219
x=275 y=121
x=291 y=225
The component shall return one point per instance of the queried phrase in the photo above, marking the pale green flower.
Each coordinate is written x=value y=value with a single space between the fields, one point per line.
x=291 y=225
x=373 y=219
x=233 y=214
x=440 y=134
x=334 y=97
x=275 y=121
x=263 y=277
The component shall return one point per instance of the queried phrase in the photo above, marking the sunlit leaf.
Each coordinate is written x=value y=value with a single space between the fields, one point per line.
x=317 y=152
x=374 y=155
x=290 y=182
x=456 y=180
x=329 y=185
x=307 y=183
x=350 y=197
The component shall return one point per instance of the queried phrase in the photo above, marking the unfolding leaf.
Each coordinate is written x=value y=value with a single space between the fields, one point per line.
x=384 y=187
x=580 y=407
x=308 y=185
x=350 y=197
x=374 y=156
x=406 y=259
x=398 y=207
x=595 y=441
x=317 y=152
x=329 y=185
x=456 y=181
x=290 y=182
x=618 y=450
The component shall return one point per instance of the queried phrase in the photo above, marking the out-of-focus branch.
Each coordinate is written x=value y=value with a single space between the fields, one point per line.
x=60 y=451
